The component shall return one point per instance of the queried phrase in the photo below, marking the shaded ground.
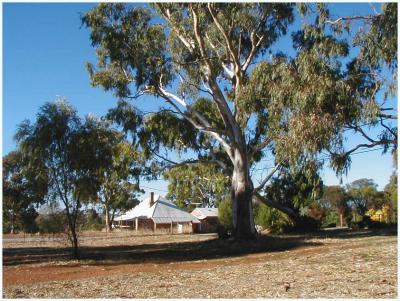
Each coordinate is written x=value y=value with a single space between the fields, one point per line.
x=332 y=264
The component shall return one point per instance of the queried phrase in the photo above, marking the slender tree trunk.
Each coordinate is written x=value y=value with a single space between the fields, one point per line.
x=75 y=246
x=108 y=222
x=341 y=220
x=12 y=223
x=242 y=194
x=72 y=217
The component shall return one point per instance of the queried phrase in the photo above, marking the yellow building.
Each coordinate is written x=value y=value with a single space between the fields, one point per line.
x=380 y=215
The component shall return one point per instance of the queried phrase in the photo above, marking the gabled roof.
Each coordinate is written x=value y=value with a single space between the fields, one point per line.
x=202 y=213
x=162 y=211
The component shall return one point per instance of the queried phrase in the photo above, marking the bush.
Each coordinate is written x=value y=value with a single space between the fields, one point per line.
x=51 y=223
x=225 y=214
x=28 y=220
x=330 y=219
x=271 y=218
x=24 y=221
x=223 y=232
x=92 y=221
x=305 y=224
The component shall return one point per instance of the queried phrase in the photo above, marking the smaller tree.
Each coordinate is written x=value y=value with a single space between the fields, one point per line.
x=225 y=214
x=57 y=143
x=23 y=189
x=335 y=197
x=114 y=178
x=363 y=194
x=51 y=219
x=294 y=192
x=271 y=218
x=92 y=220
x=390 y=194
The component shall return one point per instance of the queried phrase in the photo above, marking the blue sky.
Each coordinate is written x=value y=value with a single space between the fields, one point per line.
x=45 y=50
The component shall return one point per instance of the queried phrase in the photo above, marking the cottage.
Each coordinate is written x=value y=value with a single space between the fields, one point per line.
x=157 y=214
x=208 y=218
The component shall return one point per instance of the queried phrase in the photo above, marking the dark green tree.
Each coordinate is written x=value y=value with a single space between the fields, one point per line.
x=295 y=192
x=391 y=192
x=336 y=198
x=114 y=181
x=230 y=103
x=57 y=141
x=24 y=188
x=363 y=195
x=51 y=219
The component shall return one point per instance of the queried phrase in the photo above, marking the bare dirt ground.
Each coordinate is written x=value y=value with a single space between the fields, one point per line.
x=330 y=264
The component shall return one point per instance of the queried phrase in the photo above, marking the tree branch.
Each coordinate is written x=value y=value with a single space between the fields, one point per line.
x=333 y=22
x=189 y=162
x=213 y=132
x=218 y=97
x=167 y=16
x=258 y=198
x=253 y=51
x=259 y=147
x=360 y=130
x=388 y=116
x=388 y=128
x=267 y=178
x=228 y=42
x=364 y=145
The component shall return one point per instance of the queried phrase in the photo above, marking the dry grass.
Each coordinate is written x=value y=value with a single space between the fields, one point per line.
x=347 y=265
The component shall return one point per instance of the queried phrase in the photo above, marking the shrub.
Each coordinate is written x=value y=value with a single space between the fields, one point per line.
x=330 y=219
x=28 y=220
x=51 y=223
x=225 y=226
x=271 y=218
x=92 y=221
x=225 y=214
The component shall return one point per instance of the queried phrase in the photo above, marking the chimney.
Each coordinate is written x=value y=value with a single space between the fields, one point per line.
x=151 y=199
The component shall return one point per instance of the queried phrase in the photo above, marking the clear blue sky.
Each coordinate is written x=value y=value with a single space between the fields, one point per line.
x=45 y=50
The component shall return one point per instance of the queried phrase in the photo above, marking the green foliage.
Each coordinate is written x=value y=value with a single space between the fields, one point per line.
x=334 y=197
x=197 y=184
x=296 y=189
x=225 y=213
x=22 y=220
x=127 y=40
x=93 y=221
x=113 y=177
x=28 y=220
x=379 y=44
x=51 y=219
x=331 y=219
x=364 y=195
x=271 y=218
x=58 y=144
x=23 y=188
x=290 y=107
x=391 y=195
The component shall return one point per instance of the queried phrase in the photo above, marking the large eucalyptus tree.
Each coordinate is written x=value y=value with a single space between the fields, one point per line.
x=228 y=96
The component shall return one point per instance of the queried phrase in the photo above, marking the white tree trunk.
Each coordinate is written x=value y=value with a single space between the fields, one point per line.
x=242 y=193
x=108 y=224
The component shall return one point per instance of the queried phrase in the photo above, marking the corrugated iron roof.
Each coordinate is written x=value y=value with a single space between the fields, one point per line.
x=162 y=211
x=202 y=213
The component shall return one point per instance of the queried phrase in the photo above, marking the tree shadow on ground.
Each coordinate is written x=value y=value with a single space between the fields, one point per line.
x=345 y=233
x=180 y=251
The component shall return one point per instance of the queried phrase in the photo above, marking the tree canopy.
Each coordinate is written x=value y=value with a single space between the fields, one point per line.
x=23 y=189
x=70 y=150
